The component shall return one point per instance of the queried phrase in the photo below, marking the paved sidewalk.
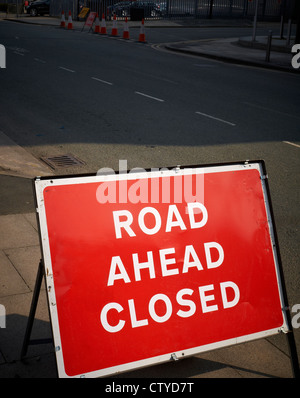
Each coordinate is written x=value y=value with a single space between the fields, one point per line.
x=241 y=51
x=19 y=258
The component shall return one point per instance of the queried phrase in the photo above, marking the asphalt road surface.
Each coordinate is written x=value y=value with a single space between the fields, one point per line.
x=104 y=99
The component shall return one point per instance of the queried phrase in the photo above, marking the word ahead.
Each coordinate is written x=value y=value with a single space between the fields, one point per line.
x=133 y=283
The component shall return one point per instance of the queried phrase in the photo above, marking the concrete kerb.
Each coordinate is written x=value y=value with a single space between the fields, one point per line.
x=16 y=161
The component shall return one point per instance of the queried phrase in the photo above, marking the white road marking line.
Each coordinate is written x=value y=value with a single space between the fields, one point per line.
x=216 y=118
x=149 y=96
x=16 y=52
x=205 y=65
x=40 y=60
x=291 y=143
x=150 y=75
x=163 y=79
x=68 y=70
x=102 y=81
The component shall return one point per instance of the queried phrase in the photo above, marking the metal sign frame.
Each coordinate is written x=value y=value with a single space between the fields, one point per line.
x=89 y=21
x=41 y=183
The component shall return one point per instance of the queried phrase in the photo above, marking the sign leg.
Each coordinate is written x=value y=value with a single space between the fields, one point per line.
x=34 y=302
x=293 y=354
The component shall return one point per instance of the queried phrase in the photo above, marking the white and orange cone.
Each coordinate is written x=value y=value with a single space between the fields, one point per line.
x=70 y=22
x=63 y=20
x=97 y=24
x=126 y=30
x=103 y=26
x=142 y=38
x=114 y=31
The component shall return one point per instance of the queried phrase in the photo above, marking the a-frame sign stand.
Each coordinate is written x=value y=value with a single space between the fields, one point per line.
x=34 y=302
x=293 y=354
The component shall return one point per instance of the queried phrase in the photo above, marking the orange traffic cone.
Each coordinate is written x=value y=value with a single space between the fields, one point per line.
x=142 y=38
x=114 y=31
x=70 y=22
x=63 y=20
x=126 y=30
x=97 y=24
x=103 y=26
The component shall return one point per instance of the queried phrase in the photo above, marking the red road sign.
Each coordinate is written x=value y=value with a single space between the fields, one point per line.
x=141 y=266
x=90 y=19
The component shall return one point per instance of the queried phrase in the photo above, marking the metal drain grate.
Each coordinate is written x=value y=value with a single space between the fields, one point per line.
x=62 y=161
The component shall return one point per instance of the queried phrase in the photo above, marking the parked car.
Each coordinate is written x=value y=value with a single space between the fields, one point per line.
x=39 y=7
x=121 y=9
x=161 y=7
x=151 y=8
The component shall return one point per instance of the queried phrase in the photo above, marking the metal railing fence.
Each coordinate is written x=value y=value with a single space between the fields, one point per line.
x=175 y=9
x=171 y=9
x=178 y=9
